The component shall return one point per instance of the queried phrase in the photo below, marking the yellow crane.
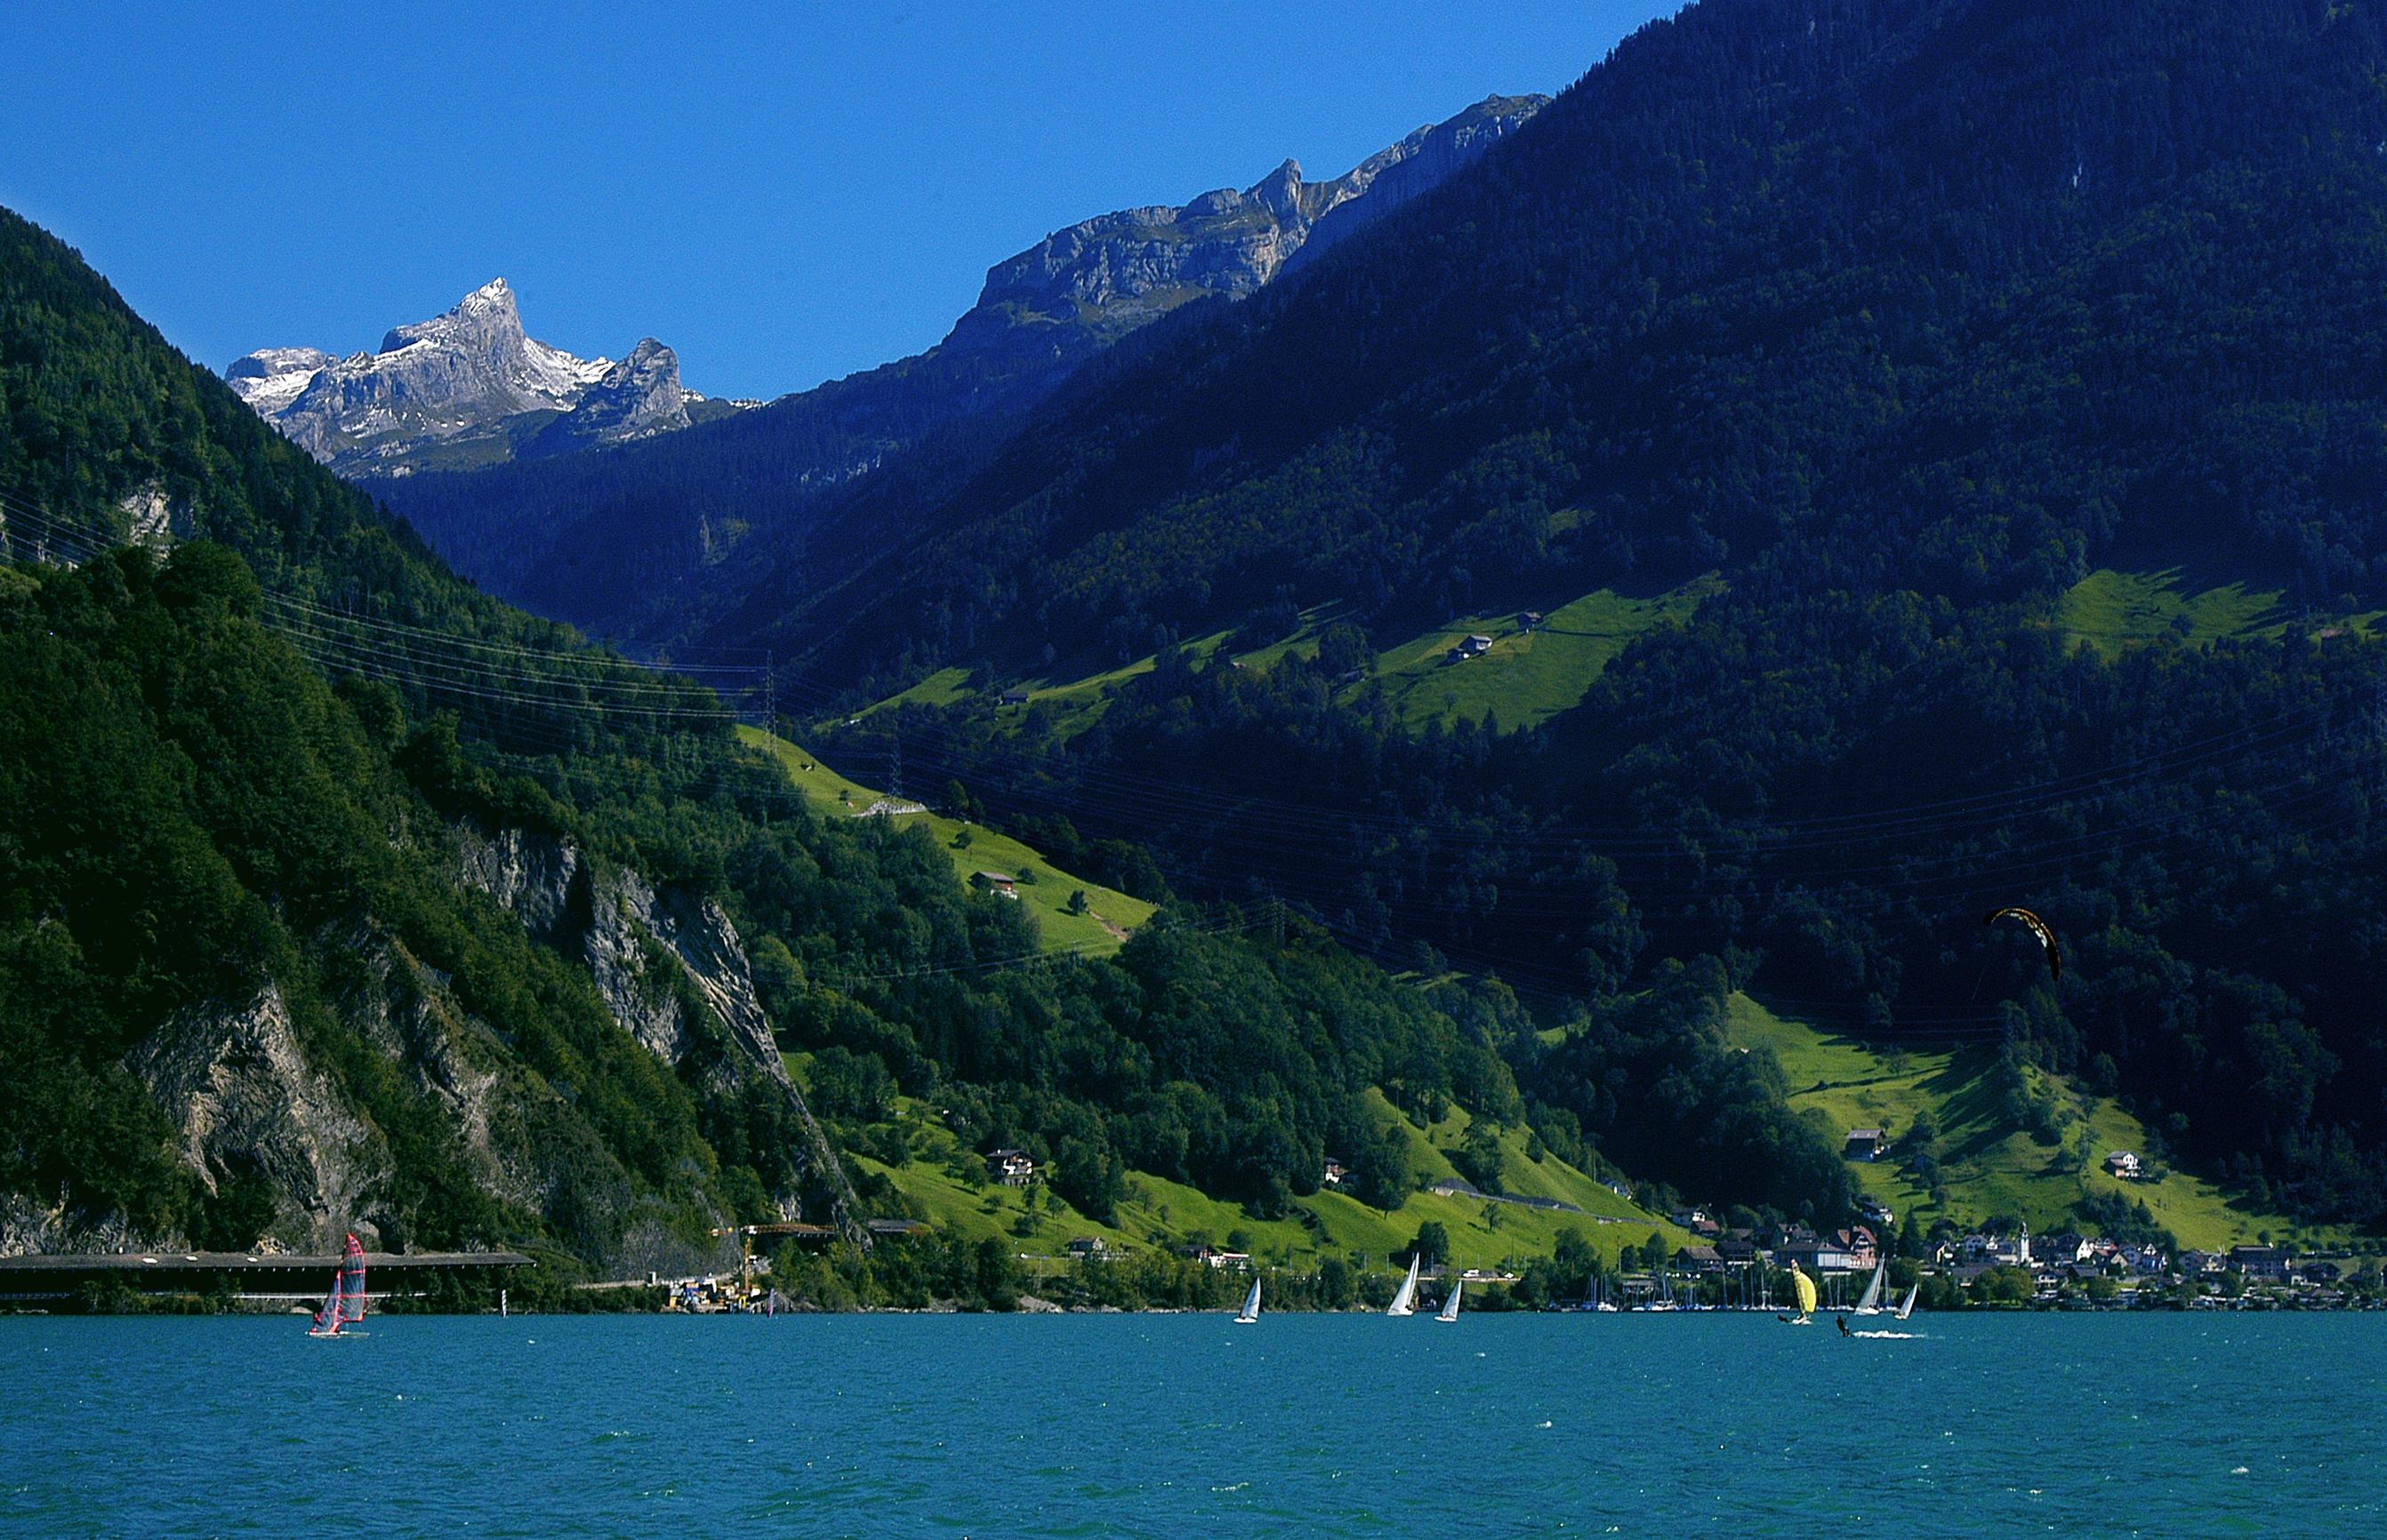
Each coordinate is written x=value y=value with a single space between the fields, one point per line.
x=746 y=1234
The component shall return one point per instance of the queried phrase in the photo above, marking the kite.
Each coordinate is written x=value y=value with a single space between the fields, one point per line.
x=2039 y=928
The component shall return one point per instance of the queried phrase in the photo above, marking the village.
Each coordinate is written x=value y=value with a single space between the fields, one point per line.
x=1999 y=1264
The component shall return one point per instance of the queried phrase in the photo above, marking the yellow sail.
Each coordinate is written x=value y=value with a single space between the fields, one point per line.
x=1806 y=1287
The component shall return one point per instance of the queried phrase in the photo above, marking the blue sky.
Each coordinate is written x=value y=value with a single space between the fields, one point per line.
x=785 y=193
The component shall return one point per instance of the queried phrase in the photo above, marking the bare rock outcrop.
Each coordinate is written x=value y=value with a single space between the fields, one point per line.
x=640 y=943
x=636 y=941
x=236 y=1083
x=639 y=397
x=28 y=1226
x=1094 y=282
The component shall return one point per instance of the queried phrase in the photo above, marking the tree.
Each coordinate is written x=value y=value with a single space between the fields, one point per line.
x=1432 y=1247
x=1479 y=1157
x=1342 y=648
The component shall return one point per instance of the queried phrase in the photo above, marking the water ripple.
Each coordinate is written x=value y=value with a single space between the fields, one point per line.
x=1166 y=1426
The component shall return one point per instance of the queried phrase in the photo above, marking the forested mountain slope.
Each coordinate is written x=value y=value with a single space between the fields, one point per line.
x=260 y=975
x=1903 y=319
x=1988 y=289
x=335 y=895
x=633 y=543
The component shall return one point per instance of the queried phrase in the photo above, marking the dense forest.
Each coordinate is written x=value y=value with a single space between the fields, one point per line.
x=1975 y=289
x=201 y=812
x=246 y=760
x=1903 y=318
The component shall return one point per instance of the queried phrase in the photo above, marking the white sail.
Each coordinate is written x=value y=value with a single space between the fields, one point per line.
x=1449 y=1310
x=1871 y=1304
x=1906 y=1306
x=1409 y=1291
x=1251 y=1310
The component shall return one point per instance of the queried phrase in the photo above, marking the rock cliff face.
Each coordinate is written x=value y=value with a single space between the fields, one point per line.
x=513 y=1131
x=1085 y=287
x=632 y=940
x=247 y=1102
x=1420 y=163
x=449 y=1057
x=460 y=389
x=639 y=397
x=270 y=378
x=632 y=542
x=638 y=942
x=238 y=1089
x=27 y=1226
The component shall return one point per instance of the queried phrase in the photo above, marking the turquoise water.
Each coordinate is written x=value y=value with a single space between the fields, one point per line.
x=1181 y=1425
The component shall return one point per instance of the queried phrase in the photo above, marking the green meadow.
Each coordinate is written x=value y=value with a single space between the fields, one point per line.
x=1110 y=915
x=946 y=1180
x=2115 y=611
x=1527 y=677
x=1989 y=1163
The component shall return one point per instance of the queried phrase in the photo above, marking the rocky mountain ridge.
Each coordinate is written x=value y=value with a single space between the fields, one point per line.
x=469 y=386
x=614 y=541
x=1085 y=287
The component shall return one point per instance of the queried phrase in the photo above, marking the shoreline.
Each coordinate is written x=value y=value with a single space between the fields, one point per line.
x=202 y=1305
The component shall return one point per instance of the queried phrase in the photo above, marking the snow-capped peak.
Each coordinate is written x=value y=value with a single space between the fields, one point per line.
x=447 y=380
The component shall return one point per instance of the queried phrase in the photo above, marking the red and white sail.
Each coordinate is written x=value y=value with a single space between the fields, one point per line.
x=352 y=1288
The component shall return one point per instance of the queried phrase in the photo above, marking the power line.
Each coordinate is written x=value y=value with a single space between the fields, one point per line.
x=1299 y=835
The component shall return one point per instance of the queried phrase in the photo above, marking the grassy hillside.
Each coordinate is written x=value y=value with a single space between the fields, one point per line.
x=1074 y=701
x=1990 y=1164
x=1110 y=915
x=1159 y=1213
x=1528 y=677
x=2112 y=611
x=944 y=687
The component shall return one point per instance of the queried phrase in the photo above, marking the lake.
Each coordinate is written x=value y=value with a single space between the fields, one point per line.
x=1177 y=1425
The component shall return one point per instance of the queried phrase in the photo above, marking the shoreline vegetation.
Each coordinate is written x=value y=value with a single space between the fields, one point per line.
x=948 y=1276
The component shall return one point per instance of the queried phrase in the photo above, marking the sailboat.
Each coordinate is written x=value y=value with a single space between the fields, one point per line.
x=345 y=1304
x=1251 y=1310
x=1449 y=1310
x=1805 y=1288
x=1906 y=1306
x=352 y=1283
x=1401 y=1306
x=327 y=1320
x=1870 y=1304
